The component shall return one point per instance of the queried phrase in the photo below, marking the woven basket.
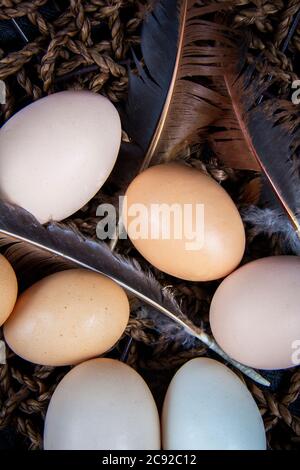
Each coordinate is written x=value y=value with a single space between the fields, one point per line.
x=81 y=44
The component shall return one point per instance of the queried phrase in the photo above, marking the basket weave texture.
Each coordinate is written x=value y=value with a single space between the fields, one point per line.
x=81 y=44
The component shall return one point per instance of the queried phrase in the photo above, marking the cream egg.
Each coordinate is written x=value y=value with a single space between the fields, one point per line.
x=56 y=153
x=67 y=317
x=184 y=223
x=254 y=314
x=8 y=289
x=99 y=405
x=207 y=407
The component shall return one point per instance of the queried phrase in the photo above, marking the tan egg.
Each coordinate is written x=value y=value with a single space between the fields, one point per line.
x=56 y=153
x=67 y=317
x=184 y=223
x=102 y=404
x=8 y=289
x=254 y=314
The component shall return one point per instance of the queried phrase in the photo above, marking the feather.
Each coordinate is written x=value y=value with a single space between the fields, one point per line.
x=57 y=247
x=260 y=132
x=168 y=109
x=171 y=106
x=234 y=111
x=2 y=353
x=27 y=241
x=268 y=221
x=167 y=106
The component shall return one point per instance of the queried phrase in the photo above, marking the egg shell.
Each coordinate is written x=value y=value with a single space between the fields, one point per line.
x=102 y=404
x=254 y=314
x=207 y=407
x=56 y=153
x=224 y=235
x=8 y=289
x=67 y=317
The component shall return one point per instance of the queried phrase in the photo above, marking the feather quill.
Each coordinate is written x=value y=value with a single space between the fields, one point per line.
x=26 y=239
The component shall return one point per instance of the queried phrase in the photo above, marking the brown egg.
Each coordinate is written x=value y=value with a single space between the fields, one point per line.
x=67 y=317
x=8 y=289
x=184 y=223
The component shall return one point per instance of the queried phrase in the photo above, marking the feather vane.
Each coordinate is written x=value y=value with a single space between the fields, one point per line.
x=27 y=241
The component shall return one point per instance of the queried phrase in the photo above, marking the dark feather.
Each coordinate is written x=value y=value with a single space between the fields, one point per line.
x=30 y=242
x=168 y=107
x=148 y=90
x=30 y=245
x=262 y=136
x=258 y=131
x=56 y=246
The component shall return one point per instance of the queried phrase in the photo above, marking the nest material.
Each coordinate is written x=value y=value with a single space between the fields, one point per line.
x=86 y=44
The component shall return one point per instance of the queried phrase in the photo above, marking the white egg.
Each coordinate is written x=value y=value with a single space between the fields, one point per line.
x=102 y=404
x=56 y=153
x=207 y=407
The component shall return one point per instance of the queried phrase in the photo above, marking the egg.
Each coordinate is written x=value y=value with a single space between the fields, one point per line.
x=67 y=317
x=254 y=314
x=102 y=404
x=207 y=407
x=184 y=223
x=56 y=153
x=8 y=289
